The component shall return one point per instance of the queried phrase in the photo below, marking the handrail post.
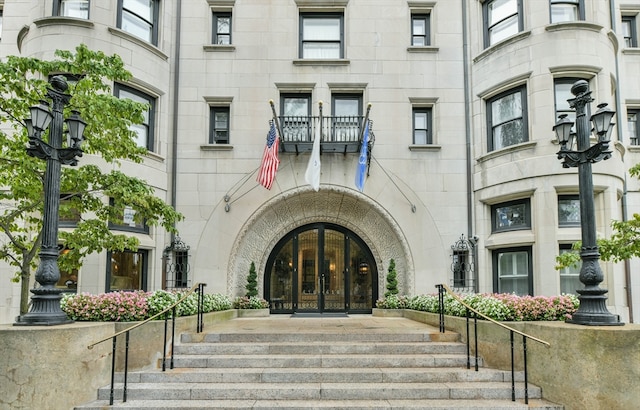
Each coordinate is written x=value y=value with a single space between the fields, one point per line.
x=126 y=367
x=475 y=336
x=513 y=372
x=164 y=344
x=468 y=342
x=113 y=370
x=200 y=320
x=526 y=382
x=441 y=307
x=173 y=334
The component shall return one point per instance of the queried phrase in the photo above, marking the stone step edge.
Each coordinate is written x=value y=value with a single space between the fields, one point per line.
x=396 y=404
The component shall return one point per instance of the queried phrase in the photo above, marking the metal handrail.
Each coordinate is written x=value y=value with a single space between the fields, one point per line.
x=441 y=289
x=172 y=307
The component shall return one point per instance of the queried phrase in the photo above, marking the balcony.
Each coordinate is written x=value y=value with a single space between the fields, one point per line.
x=339 y=134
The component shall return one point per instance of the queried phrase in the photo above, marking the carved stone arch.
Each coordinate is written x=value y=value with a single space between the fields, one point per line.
x=332 y=204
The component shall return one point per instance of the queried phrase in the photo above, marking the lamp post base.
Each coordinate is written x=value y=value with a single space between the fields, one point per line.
x=45 y=309
x=593 y=310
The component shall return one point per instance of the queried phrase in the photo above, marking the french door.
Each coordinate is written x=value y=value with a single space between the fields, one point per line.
x=321 y=268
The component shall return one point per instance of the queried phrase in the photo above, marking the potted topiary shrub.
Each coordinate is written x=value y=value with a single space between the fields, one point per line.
x=250 y=304
x=392 y=304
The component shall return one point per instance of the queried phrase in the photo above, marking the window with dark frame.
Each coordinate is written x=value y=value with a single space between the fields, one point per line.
x=219 y=125
x=1 y=11
x=127 y=220
x=513 y=271
x=562 y=93
x=69 y=214
x=511 y=216
x=569 y=276
x=221 y=28
x=633 y=128
x=566 y=10
x=144 y=131
x=629 y=31
x=127 y=270
x=420 y=29
x=347 y=116
x=507 y=119
x=139 y=18
x=422 y=134
x=502 y=19
x=568 y=210
x=71 y=8
x=296 y=116
x=321 y=36
x=68 y=279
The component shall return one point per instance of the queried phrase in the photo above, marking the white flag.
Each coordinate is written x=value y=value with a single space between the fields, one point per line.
x=312 y=176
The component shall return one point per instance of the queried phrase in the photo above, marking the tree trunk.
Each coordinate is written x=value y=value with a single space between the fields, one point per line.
x=24 y=290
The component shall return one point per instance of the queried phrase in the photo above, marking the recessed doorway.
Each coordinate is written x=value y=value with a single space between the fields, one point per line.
x=321 y=268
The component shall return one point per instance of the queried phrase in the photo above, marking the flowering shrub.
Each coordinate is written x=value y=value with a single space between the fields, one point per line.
x=393 y=302
x=136 y=305
x=503 y=307
x=106 y=307
x=253 y=302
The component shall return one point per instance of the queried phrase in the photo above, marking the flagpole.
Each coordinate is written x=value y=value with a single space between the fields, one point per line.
x=320 y=119
x=275 y=118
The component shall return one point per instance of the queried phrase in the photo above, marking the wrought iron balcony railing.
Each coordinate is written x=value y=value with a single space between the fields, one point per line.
x=339 y=134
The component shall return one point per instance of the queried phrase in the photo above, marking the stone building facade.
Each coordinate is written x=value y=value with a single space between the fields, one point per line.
x=464 y=186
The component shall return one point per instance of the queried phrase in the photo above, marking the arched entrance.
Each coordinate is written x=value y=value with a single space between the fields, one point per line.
x=321 y=267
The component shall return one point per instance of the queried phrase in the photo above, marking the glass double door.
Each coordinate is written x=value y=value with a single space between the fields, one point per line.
x=321 y=268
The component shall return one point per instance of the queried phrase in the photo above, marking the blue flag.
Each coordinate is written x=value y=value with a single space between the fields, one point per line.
x=361 y=171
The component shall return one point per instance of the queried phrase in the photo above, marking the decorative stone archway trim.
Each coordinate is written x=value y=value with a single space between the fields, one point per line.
x=332 y=204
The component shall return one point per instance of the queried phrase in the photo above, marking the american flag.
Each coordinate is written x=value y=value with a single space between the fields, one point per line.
x=270 y=159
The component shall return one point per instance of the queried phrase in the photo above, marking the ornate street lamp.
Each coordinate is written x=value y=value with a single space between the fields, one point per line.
x=45 y=302
x=593 y=309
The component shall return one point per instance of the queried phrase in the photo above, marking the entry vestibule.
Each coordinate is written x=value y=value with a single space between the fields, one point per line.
x=321 y=268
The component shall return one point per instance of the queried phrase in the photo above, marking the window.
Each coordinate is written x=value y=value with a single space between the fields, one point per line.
x=181 y=258
x=420 y=30
x=126 y=219
x=1 y=22
x=347 y=117
x=568 y=210
x=511 y=216
x=567 y=10
x=68 y=281
x=502 y=19
x=632 y=126
x=71 y=8
x=422 y=133
x=507 y=119
x=570 y=276
x=629 y=32
x=219 y=125
x=221 y=28
x=321 y=35
x=127 y=270
x=562 y=92
x=512 y=271
x=139 y=18
x=69 y=214
x=145 y=130
x=296 y=115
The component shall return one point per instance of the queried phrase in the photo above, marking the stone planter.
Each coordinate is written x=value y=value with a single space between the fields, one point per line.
x=388 y=312
x=253 y=312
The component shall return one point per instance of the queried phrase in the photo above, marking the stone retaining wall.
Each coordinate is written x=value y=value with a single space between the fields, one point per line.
x=586 y=367
x=50 y=367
